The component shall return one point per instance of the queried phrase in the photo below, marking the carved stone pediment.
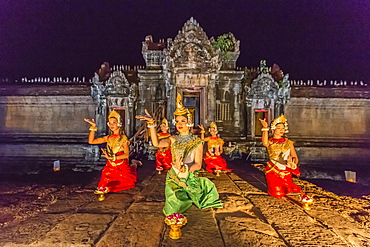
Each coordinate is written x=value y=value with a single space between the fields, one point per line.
x=191 y=50
x=263 y=87
x=118 y=84
x=284 y=90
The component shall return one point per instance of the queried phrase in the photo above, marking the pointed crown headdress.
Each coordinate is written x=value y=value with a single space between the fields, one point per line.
x=115 y=114
x=165 y=122
x=213 y=125
x=181 y=110
x=280 y=120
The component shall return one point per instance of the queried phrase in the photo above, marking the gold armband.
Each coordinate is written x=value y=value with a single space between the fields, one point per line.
x=265 y=129
x=93 y=128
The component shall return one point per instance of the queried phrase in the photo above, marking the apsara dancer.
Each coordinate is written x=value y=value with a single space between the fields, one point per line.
x=214 y=162
x=183 y=186
x=163 y=158
x=117 y=174
x=283 y=160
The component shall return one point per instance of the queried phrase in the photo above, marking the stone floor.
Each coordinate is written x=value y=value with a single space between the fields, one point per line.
x=60 y=209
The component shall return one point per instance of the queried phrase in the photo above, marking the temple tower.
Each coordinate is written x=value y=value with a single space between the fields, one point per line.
x=191 y=67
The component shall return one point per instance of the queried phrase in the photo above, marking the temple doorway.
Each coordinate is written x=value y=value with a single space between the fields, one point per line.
x=192 y=101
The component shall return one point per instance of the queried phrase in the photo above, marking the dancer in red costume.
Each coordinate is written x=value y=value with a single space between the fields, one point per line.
x=283 y=160
x=214 y=162
x=163 y=158
x=117 y=174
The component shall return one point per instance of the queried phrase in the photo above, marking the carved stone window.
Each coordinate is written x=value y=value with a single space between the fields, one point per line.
x=223 y=112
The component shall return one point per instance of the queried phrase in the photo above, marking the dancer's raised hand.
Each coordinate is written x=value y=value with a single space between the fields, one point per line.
x=264 y=123
x=92 y=121
x=146 y=117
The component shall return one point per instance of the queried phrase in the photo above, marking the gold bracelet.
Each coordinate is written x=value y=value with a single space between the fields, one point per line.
x=112 y=157
x=151 y=124
x=93 y=128
x=203 y=131
x=265 y=129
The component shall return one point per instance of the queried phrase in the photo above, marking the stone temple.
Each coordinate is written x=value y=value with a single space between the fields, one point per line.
x=41 y=119
x=210 y=83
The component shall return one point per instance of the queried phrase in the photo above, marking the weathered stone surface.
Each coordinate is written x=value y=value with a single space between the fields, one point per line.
x=30 y=230
x=222 y=182
x=248 y=230
x=290 y=220
x=70 y=203
x=76 y=230
x=201 y=230
x=154 y=191
x=315 y=118
x=142 y=225
x=347 y=230
x=114 y=203
x=72 y=216
x=233 y=203
x=319 y=225
x=240 y=226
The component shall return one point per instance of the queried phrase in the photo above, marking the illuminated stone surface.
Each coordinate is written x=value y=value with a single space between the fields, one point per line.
x=51 y=215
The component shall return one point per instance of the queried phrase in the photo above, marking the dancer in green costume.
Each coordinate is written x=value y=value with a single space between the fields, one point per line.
x=183 y=186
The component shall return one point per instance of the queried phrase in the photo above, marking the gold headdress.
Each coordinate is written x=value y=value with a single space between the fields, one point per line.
x=181 y=110
x=213 y=125
x=165 y=122
x=280 y=120
x=114 y=114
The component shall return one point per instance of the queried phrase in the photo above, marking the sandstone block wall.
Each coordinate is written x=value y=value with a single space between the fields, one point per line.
x=331 y=133
x=44 y=127
x=329 y=119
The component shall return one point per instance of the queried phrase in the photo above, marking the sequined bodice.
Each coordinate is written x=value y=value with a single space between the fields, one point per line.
x=277 y=147
x=215 y=142
x=115 y=143
x=184 y=145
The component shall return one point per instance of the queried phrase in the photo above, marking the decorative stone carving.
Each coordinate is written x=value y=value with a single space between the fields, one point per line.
x=190 y=61
x=191 y=49
x=117 y=84
x=237 y=89
x=98 y=93
x=264 y=87
x=284 y=91
x=152 y=52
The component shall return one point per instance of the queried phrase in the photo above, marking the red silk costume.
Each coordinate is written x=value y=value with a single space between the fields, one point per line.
x=279 y=181
x=213 y=161
x=163 y=158
x=117 y=175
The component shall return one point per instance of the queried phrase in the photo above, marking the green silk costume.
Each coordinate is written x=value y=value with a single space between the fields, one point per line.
x=199 y=190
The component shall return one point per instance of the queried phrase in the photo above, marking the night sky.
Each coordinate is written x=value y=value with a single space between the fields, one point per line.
x=307 y=39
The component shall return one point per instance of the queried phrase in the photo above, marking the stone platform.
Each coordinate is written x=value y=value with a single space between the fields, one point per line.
x=250 y=217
